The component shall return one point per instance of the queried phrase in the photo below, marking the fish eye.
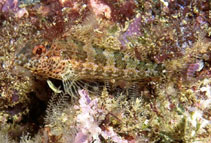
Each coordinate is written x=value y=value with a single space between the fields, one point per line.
x=38 y=50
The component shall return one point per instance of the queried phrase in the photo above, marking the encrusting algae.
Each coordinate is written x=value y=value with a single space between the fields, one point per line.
x=139 y=71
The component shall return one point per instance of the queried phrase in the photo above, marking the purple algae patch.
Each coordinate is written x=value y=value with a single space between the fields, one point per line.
x=132 y=30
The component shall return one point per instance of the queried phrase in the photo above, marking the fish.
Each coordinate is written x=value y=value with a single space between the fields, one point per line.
x=72 y=60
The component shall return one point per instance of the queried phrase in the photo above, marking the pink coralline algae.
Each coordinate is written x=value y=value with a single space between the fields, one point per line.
x=100 y=9
x=121 y=11
x=88 y=126
x=193 y=68
x=8 y=5
x=132 y=31
x=12 y=6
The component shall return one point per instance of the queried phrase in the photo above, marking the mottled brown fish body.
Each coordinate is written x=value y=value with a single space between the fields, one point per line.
x=73 y=59
x=55 y=67
x=89 y=70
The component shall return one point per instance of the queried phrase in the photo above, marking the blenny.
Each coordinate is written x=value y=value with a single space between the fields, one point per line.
x=70 y=59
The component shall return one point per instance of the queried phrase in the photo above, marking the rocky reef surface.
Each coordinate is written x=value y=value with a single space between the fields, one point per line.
x=110 y=71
